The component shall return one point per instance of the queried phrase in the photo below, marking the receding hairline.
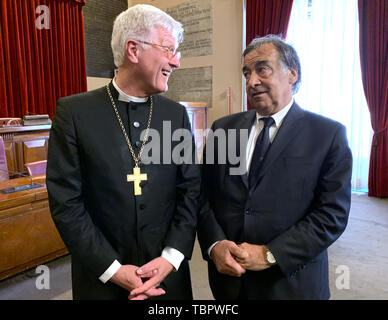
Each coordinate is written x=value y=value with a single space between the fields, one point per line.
x=275 y=50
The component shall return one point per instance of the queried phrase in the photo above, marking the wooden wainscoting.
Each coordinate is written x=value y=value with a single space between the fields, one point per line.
x=25 y=144
x=197 y=112
x=28 y=236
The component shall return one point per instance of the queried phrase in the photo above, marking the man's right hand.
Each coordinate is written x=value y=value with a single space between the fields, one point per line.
x=223 y=254
x=127 y=278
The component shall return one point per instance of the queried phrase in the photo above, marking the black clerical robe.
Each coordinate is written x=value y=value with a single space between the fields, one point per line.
x=93 y=205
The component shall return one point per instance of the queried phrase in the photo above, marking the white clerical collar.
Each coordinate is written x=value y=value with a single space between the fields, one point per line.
x=125 y=97
x=278 y=116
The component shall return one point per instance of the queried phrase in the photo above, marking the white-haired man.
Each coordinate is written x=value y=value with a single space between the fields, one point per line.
x=129 y=225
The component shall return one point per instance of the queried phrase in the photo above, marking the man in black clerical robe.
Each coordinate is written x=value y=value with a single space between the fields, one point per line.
x=126 y=245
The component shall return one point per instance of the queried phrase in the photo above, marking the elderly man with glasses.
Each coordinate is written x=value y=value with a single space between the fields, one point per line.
x=129 y=224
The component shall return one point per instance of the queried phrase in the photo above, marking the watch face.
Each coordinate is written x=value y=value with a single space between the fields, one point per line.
x=270 y=257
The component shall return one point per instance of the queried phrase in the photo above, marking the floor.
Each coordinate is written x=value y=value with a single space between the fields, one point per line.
x=358 y=263
x=363 y=251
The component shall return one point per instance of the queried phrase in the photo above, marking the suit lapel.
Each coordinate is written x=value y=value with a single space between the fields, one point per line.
x=113 y=127
x=246 y=123
x=288 y=130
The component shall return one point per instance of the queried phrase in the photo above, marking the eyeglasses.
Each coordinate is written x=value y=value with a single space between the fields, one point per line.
x=170 y=51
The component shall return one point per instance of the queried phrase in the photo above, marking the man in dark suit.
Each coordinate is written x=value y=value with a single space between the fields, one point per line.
x=265 y=232
x=127 y=222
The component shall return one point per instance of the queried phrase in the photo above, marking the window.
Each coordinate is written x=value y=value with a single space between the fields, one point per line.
x=325 y=35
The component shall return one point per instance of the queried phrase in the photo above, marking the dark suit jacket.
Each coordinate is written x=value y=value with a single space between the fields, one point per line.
x=298 y=207
x=93 y=205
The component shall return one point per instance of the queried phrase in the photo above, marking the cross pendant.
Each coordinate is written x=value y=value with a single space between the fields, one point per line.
x=136 y=177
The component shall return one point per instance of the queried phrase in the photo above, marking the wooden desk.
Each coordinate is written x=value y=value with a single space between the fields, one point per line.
x=25 y=144
x=28 y=236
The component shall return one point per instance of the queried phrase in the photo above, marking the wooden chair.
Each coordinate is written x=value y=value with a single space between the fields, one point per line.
x=36 y=168
x=10 y=122
x=3 y=162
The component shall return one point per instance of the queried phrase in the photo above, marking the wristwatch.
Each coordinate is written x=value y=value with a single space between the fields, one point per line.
x=270 y=258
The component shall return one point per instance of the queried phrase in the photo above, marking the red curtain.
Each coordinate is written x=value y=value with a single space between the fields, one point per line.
x=42 y=55
x=373 y=17
x=265 y=17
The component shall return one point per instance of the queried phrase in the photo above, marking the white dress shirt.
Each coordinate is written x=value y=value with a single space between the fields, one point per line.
x=258 y=126
x=254 y=134
x=172 y=255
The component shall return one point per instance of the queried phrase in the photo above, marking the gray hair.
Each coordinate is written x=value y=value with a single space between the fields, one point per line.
x=137 y=23
x=288 y=55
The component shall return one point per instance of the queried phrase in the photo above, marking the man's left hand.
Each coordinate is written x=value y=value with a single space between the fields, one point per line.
x=255 y=260
x=156 y=271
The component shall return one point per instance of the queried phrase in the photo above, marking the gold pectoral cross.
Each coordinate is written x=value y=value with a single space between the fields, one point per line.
x=136 y=178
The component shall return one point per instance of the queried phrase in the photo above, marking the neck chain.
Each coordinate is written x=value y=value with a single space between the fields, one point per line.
x=137 y=158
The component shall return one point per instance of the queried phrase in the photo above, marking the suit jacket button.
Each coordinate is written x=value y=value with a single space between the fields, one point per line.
x=247 y=211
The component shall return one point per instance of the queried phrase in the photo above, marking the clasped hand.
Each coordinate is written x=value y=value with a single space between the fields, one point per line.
x=233 y=260
x=131 y=278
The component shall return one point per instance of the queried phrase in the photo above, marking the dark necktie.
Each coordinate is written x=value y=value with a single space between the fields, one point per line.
x=261 y=148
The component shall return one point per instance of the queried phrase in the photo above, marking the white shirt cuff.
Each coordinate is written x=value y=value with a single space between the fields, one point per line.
x=110 y=271
x=173 y=256
x=210 y=249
